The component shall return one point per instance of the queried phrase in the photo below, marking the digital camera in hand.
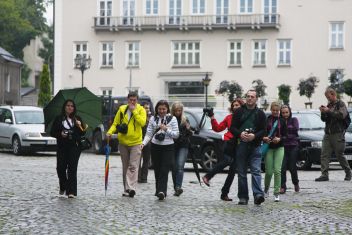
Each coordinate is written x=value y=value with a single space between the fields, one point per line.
x=68 y=133
x=208 y=111
x=123 y=128
x=160 y=136
x=249 y=130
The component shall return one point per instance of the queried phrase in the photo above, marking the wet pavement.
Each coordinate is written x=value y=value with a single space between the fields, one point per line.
x=30 y=204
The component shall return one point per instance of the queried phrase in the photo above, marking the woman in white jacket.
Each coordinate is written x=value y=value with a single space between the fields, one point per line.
x=161 y=131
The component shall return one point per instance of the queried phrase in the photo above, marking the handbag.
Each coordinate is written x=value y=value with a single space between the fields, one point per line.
x=265 y=146
x=84 y=143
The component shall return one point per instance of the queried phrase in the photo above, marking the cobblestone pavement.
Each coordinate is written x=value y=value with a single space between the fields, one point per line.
x=29 y=203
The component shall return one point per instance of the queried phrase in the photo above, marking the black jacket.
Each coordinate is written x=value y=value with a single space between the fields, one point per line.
x=281 y=133
x=259 y=124
x=183 y=141
x=334 y=118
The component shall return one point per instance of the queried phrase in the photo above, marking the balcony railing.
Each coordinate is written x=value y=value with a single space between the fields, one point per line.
x=204 y=22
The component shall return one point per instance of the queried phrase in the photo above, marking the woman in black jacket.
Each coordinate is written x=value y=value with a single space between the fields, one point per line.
x=68 y=129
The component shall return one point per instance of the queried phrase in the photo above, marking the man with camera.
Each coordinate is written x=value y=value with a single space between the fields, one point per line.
x=128 y=122
x=248 y=125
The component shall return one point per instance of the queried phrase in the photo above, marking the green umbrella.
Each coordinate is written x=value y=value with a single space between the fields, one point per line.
x=88 y=105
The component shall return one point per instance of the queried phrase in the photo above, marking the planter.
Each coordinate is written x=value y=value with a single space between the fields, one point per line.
x=308 y=105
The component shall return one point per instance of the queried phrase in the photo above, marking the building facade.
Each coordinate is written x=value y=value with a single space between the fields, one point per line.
x=165 y=48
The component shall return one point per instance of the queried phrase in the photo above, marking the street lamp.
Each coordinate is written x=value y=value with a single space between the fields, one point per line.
x=206 y=82
x=82 y=63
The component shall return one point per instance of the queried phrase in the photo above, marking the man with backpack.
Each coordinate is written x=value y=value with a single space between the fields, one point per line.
x=336 y=120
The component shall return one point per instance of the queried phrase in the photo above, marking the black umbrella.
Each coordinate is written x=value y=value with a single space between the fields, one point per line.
x=195 y=164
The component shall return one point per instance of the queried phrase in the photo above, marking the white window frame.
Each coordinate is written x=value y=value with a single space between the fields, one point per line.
x=259 y=52
x=108 y=13
x=223 y=17
x=152 y=7
x=336 y=34
x=186 y=53
x=233 y=52
x=175 y=18
x=131 y=60
x=246 y=7
x=131 y=12
x=286 y=61
x=198 y=9
x=108 y=89
x=82 y=53
x=106 y=53
x=8 y=83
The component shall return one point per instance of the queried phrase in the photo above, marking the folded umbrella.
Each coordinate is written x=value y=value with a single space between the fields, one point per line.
x=107 y=154
x=195 y=164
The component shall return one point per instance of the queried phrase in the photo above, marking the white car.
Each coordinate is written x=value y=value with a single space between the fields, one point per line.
x=22 y=128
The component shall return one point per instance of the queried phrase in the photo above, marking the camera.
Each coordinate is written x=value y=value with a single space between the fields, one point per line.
x=208 y=111
x=249 y=130
x=122 y=128
x=160 y=136
x=68 y=133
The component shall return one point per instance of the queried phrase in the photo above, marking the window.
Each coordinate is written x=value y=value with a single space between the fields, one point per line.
x=8 y=83
x=337 y=35
x=259 y=52
x=106 y=91
x=80 y=49
x=175 y=11
x=235 y=53
x=198 y=6
x=133 y=53
x=151 y=7
x=270 y=11
x=107 y=54
x=128 y=11
x=284 y=52
x=222 y=11
x=186 y=53
x=105 y=12
x=246 y=6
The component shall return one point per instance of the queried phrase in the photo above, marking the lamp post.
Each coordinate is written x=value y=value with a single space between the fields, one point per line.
x=82 y=63
x=206 y=82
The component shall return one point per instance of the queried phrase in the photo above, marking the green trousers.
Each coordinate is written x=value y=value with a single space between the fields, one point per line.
x=273 y=163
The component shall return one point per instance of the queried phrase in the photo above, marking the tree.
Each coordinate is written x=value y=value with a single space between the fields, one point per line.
x=307 y=86
x=47 y=51
x=231 y=89
x=259 y=87
x=45 y=87
x=347 y=85
x=336 y=82
x=284 y=93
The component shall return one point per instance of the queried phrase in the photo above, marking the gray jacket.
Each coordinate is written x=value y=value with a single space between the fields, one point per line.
x=334 y=118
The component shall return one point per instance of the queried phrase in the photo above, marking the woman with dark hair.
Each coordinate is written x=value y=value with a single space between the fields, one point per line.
x=291 y=144
x=68 y=129
x=229 y=152
x=161 y=131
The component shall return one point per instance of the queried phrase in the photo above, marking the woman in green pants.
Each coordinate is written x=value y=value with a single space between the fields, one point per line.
x=276 y=132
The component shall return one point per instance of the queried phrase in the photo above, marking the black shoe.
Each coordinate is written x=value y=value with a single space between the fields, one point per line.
x=178 y=191
x=161 y=196
x=259 y=200
x=322 y=178
x=348 y=176
x=243 y=201
x=61 y=192
x=131 y=193
x=225 y=198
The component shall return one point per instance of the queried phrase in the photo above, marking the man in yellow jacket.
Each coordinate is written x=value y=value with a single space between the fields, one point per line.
x=128 y=122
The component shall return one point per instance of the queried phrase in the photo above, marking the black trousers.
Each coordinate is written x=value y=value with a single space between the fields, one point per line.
x=162 y=158
x=143 y=167
x=66 y=167
x=289 y=163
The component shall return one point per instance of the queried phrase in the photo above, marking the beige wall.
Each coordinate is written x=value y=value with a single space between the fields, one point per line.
x=305 y=22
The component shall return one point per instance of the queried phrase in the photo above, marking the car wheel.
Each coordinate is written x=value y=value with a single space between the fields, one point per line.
x=16 y=145
x=97 y=142
x=209 y=158
x=304 y=165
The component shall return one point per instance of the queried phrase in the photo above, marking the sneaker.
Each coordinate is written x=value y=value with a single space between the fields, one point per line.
x=322 y=178
x=161 y=196
x=348 y=176
x=282 y=190
x=178 y=191
x=225 y=198
x=297 y=188
x=126 y=194
x=206 y=181
x=259 y=200
x=243 y=201
x=131 y=193
x=71 y=195
x=277 y=198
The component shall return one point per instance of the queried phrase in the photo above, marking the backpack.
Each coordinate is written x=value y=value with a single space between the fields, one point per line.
x=347 y=119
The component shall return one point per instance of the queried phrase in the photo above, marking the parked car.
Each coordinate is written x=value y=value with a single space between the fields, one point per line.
x=311 y=134
x=206 y=144
x=349 y=129
x=22 y=129
x=110 y=106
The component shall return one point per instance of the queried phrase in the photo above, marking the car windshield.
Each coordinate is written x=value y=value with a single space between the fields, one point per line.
x=309 y=121
x=29 y=117
x=219 y=116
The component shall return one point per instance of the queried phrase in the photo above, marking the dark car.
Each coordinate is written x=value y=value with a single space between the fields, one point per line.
x=206 y=144
x=110 y=105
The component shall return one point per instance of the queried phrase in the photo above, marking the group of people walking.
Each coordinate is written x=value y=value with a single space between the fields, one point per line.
x=165 y=136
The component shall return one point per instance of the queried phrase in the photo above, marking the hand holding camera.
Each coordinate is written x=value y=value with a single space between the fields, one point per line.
x=323 y=108
x=247 y=135
x=208 y=111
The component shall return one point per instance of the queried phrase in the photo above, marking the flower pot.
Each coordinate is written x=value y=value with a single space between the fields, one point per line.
x=308 y=105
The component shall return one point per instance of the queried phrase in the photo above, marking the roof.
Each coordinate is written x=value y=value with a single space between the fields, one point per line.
x=26 y=90
x=22 y=108
x=7 y=56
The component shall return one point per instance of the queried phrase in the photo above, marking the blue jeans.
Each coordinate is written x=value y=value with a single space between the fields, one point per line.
x=178 y=169
x=247 y=154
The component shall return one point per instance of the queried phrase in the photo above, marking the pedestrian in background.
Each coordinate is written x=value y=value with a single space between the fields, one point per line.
x=128 y=122
x=145 y=159
x=68 y=128
x=333 y=115
x=248 y=124
x=291 y=149
x=229 y=151
x=161 y=131
x=273 y=158
x=182 y=144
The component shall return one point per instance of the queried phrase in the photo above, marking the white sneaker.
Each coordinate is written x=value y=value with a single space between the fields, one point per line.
x=277 y=198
